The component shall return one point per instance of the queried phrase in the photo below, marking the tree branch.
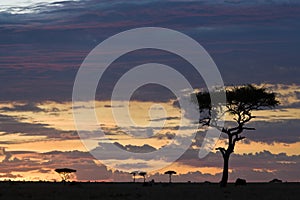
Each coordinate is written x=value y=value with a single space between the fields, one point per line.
x=233 y=129
x=225 y=130
x=248 y=128
x=239 y=129
x=222 y=150
x=237 y=139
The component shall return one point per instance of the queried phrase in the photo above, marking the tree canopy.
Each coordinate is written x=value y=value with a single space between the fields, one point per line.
x=240 y=104
x=143 y=174
x=170 y=173
x=134 y=173
x=64 y=173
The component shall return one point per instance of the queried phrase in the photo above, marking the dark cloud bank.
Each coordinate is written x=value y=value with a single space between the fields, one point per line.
x=263 y=166
x=250 y=42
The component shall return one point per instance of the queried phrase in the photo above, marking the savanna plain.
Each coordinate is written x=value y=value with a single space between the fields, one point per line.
x=186 y=191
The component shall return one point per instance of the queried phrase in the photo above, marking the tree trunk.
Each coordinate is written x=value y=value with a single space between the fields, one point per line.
x=224 y=180
x=170 y=178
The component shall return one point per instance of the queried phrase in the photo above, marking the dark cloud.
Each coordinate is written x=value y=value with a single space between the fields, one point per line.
x=10 y=125
x=136 y=149
x=168 y=136
x=112 y=130
x=281 y=131
x=32 y=107
x=297 y=95
x=262 y=166
x=267 y=131
x=140 y=165
x=165 y=118
x=46 y=163
x=10 y=176
x=41 y=53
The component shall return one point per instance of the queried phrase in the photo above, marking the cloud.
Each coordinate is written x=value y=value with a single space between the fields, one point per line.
x=287 y=94
x=165 y=118
x=128 y=166
x=9 y=176
x=245 y=41
x=136 y=149
x=12 y=125
x=262 y=166
x=32 y=107
x=31 y=6
x=297 y=94
x=43 y=164
x=250 y=41
x=108 y=154
x=281 y=131
x=168 y=136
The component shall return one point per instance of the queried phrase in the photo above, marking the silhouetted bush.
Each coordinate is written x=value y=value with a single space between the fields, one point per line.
x=275 y=180
x=240 y=181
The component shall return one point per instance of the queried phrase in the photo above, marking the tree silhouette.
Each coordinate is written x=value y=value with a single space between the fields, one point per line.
x=65 y=173
x=133 y=175
x=170 y=173
x=241 y=101
x=143 y=174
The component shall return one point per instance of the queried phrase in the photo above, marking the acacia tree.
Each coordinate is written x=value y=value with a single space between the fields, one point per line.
x=170 y=173
x=64 y=173
x=133 y=175
x=240 y=104
x=143 y=174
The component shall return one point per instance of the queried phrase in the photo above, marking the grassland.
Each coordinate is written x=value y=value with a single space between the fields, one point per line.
x=136 y=191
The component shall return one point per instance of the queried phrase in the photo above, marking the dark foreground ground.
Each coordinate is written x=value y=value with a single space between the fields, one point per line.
x=136 y=191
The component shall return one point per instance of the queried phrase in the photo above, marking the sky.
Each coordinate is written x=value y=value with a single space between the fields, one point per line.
x=43 y=44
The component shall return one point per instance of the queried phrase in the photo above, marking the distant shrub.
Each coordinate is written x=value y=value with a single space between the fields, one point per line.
x=240 y=181
x=275 y=180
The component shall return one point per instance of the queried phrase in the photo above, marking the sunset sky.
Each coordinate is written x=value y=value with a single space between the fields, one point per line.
x=43 y=44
